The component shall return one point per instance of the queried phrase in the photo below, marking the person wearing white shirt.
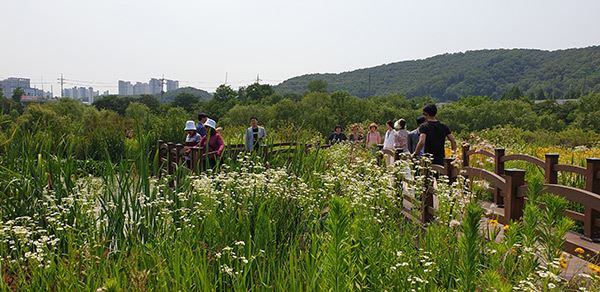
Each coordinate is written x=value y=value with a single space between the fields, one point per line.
x=389 y=152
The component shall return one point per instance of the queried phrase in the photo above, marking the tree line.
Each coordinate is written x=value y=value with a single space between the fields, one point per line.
x=104 y=127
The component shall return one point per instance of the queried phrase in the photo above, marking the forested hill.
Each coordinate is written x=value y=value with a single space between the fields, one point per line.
x=536 y=73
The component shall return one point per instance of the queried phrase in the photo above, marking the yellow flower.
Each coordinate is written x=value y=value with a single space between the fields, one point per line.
x=563 y=262
x=505 y=227
x=595 y=269
x=493 y=222
x=579 y=250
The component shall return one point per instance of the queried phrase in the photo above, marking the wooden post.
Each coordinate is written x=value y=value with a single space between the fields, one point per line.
x=592 y=184
x=160 y=142
x=513 y=205
x=265 y=149
x=451 y=171
x=465 y=155
x=170 y=147
x=550 y=174
x=194 y=159
x=160 y=164
x=179 y=147
x=499 y=170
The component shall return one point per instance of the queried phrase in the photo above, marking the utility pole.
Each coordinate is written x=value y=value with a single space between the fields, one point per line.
x=225 y=78
x=257 y=78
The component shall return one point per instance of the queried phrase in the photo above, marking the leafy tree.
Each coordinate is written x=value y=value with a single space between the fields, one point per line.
x=513 y=93
x=224 y=92
x=6 y=105
x=258 y=91
x=540 y=95
x=318 y=85
x=185 y=101
x=150 y=101
x=139 y=113
x=112 y=102
x=17 y=94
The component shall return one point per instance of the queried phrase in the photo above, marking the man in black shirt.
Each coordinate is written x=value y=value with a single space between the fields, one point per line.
x=433 y=135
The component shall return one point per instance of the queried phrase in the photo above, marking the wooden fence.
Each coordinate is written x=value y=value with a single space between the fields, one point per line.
x=171 y=155
x=509 y=189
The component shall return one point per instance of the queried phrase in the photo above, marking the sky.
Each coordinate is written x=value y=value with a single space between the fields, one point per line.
x=98 y=42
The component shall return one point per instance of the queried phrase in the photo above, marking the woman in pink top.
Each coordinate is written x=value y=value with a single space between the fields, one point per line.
x=373 y=137
x=211 y=145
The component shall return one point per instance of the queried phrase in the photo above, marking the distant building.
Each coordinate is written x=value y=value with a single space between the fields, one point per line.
x=156 y=86
x=141 y=88
x=125 y=88
x=81 y=93
x=8 y=85
x=172 y=85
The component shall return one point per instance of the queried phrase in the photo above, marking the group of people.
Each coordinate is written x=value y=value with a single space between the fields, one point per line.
x=206 y=136
x=429 y=137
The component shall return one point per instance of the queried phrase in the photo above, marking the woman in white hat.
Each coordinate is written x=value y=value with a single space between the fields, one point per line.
x=401 y=138
x=192 y=138
x=212 y=144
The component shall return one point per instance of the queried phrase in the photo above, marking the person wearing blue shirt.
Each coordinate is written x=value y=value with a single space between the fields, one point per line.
x=202 y=118
x=413 y=137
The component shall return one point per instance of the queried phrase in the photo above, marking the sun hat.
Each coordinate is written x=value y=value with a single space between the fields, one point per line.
x=397 y=124
x=373 y=125
x=211 y=123
x=190 y=125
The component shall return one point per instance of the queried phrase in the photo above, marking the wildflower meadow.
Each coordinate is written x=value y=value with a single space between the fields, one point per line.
x=326 y=219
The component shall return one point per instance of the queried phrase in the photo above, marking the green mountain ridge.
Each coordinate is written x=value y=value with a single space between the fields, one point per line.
x=537 y=73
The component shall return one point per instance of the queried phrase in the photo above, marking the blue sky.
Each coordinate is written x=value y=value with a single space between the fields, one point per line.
x=197 y=42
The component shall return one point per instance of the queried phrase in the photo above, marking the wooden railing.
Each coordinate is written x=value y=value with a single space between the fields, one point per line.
x=509 y=189
x=170 y=155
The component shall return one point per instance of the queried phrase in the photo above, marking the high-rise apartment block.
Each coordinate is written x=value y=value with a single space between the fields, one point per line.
x=154 y=87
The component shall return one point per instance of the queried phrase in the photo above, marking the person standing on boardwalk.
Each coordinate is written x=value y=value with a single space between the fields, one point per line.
x=254 y=135
x=432 y=136
x=389 y=151
x=337 y=135
x=355 y=135
x=373 y=137
x=211 y=145
x=413 y=137
x=202 y=117
x=401 y=137
x=192 y=138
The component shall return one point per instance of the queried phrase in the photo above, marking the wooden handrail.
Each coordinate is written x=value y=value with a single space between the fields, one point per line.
x=583 y=197
x=523 y=157
x=480 y=152
x=570 y=168
x=495 y=180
